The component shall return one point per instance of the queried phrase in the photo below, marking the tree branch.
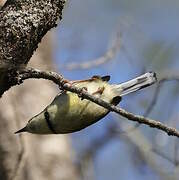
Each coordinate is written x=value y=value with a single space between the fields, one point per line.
x=22 y=26
x=62 y=83
x=108 y=56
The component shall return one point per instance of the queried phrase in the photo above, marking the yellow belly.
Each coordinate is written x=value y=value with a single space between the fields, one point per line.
x=69 y=113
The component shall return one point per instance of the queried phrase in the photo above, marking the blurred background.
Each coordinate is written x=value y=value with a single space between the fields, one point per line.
x=120 y=38
x=124 y=39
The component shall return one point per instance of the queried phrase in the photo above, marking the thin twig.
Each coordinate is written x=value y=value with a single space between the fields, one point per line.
x=108 y=56
x=58 y=79
x=154 y=101
x=165 y=78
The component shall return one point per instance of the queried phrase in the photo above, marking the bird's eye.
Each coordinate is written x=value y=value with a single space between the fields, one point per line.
x=49 y=123
x=47 y=115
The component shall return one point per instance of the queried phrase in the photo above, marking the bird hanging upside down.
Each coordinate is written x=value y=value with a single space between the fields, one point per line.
x=69 y=113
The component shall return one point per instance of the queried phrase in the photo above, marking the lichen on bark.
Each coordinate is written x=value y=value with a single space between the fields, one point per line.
x=23 y=23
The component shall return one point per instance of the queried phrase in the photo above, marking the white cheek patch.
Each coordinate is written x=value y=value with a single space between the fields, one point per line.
x=92 y=88
x=108 y=94
x=2 y=2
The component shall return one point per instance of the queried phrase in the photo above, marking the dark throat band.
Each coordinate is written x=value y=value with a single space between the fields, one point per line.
x=49 y=124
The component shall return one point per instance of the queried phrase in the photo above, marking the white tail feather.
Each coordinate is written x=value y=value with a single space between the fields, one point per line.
x=135 y=84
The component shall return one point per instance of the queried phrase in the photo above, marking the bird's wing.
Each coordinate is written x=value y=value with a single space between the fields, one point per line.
x=103 y=78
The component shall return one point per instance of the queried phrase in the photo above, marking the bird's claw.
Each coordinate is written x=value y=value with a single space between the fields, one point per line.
x=80 y=95
x=99 y=91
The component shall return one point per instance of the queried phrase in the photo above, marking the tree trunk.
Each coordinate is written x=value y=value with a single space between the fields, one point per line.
x=27 y=156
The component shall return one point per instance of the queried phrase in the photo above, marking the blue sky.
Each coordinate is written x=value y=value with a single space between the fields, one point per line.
x=150 y=33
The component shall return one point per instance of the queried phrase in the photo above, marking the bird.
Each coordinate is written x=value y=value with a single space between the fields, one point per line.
x=69 y=113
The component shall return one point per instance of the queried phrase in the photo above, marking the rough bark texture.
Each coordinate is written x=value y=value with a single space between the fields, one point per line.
x=22 y=25
x=28 y=156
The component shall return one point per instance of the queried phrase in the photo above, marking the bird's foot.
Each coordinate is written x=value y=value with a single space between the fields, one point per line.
x=100 y=90
x=80 y=95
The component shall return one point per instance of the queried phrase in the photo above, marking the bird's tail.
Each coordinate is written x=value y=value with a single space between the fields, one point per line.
x=135 y=84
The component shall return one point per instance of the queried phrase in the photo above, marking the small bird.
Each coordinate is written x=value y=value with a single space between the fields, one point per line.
x=69 y=113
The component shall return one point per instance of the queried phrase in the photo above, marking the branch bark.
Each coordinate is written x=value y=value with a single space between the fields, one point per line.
x=22 y=26
x=62 y=83
x=23 y=23
x=20 y=157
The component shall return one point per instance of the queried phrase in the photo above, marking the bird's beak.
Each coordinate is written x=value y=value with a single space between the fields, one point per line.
x=21 y=130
